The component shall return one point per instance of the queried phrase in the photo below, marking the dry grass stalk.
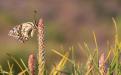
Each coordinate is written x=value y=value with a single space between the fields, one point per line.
x=31 y=63
x=41 y=51
x=102 y=66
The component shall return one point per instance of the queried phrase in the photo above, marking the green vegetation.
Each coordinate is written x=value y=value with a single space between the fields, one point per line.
x=105 y=63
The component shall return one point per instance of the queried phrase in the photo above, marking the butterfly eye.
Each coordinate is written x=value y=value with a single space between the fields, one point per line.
x=22 y=32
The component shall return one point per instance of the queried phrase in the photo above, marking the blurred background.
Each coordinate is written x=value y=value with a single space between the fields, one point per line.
x=67 y=23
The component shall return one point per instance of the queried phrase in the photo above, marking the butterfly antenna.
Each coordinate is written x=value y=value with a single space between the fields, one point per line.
x=35 y=18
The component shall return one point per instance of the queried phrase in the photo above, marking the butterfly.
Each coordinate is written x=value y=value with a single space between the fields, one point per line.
x=23 y=32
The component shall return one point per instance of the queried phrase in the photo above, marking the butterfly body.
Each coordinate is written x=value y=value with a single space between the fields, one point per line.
x=23 y=32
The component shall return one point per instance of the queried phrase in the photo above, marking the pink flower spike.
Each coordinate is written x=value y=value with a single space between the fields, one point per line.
x=31 y=63
x=102 y=65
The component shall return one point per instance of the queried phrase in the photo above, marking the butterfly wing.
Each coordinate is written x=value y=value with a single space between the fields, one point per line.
x=15 y=32
x=22 y=32
x=27 y=28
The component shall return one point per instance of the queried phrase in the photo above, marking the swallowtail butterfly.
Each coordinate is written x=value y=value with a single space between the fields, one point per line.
x=23 y=32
